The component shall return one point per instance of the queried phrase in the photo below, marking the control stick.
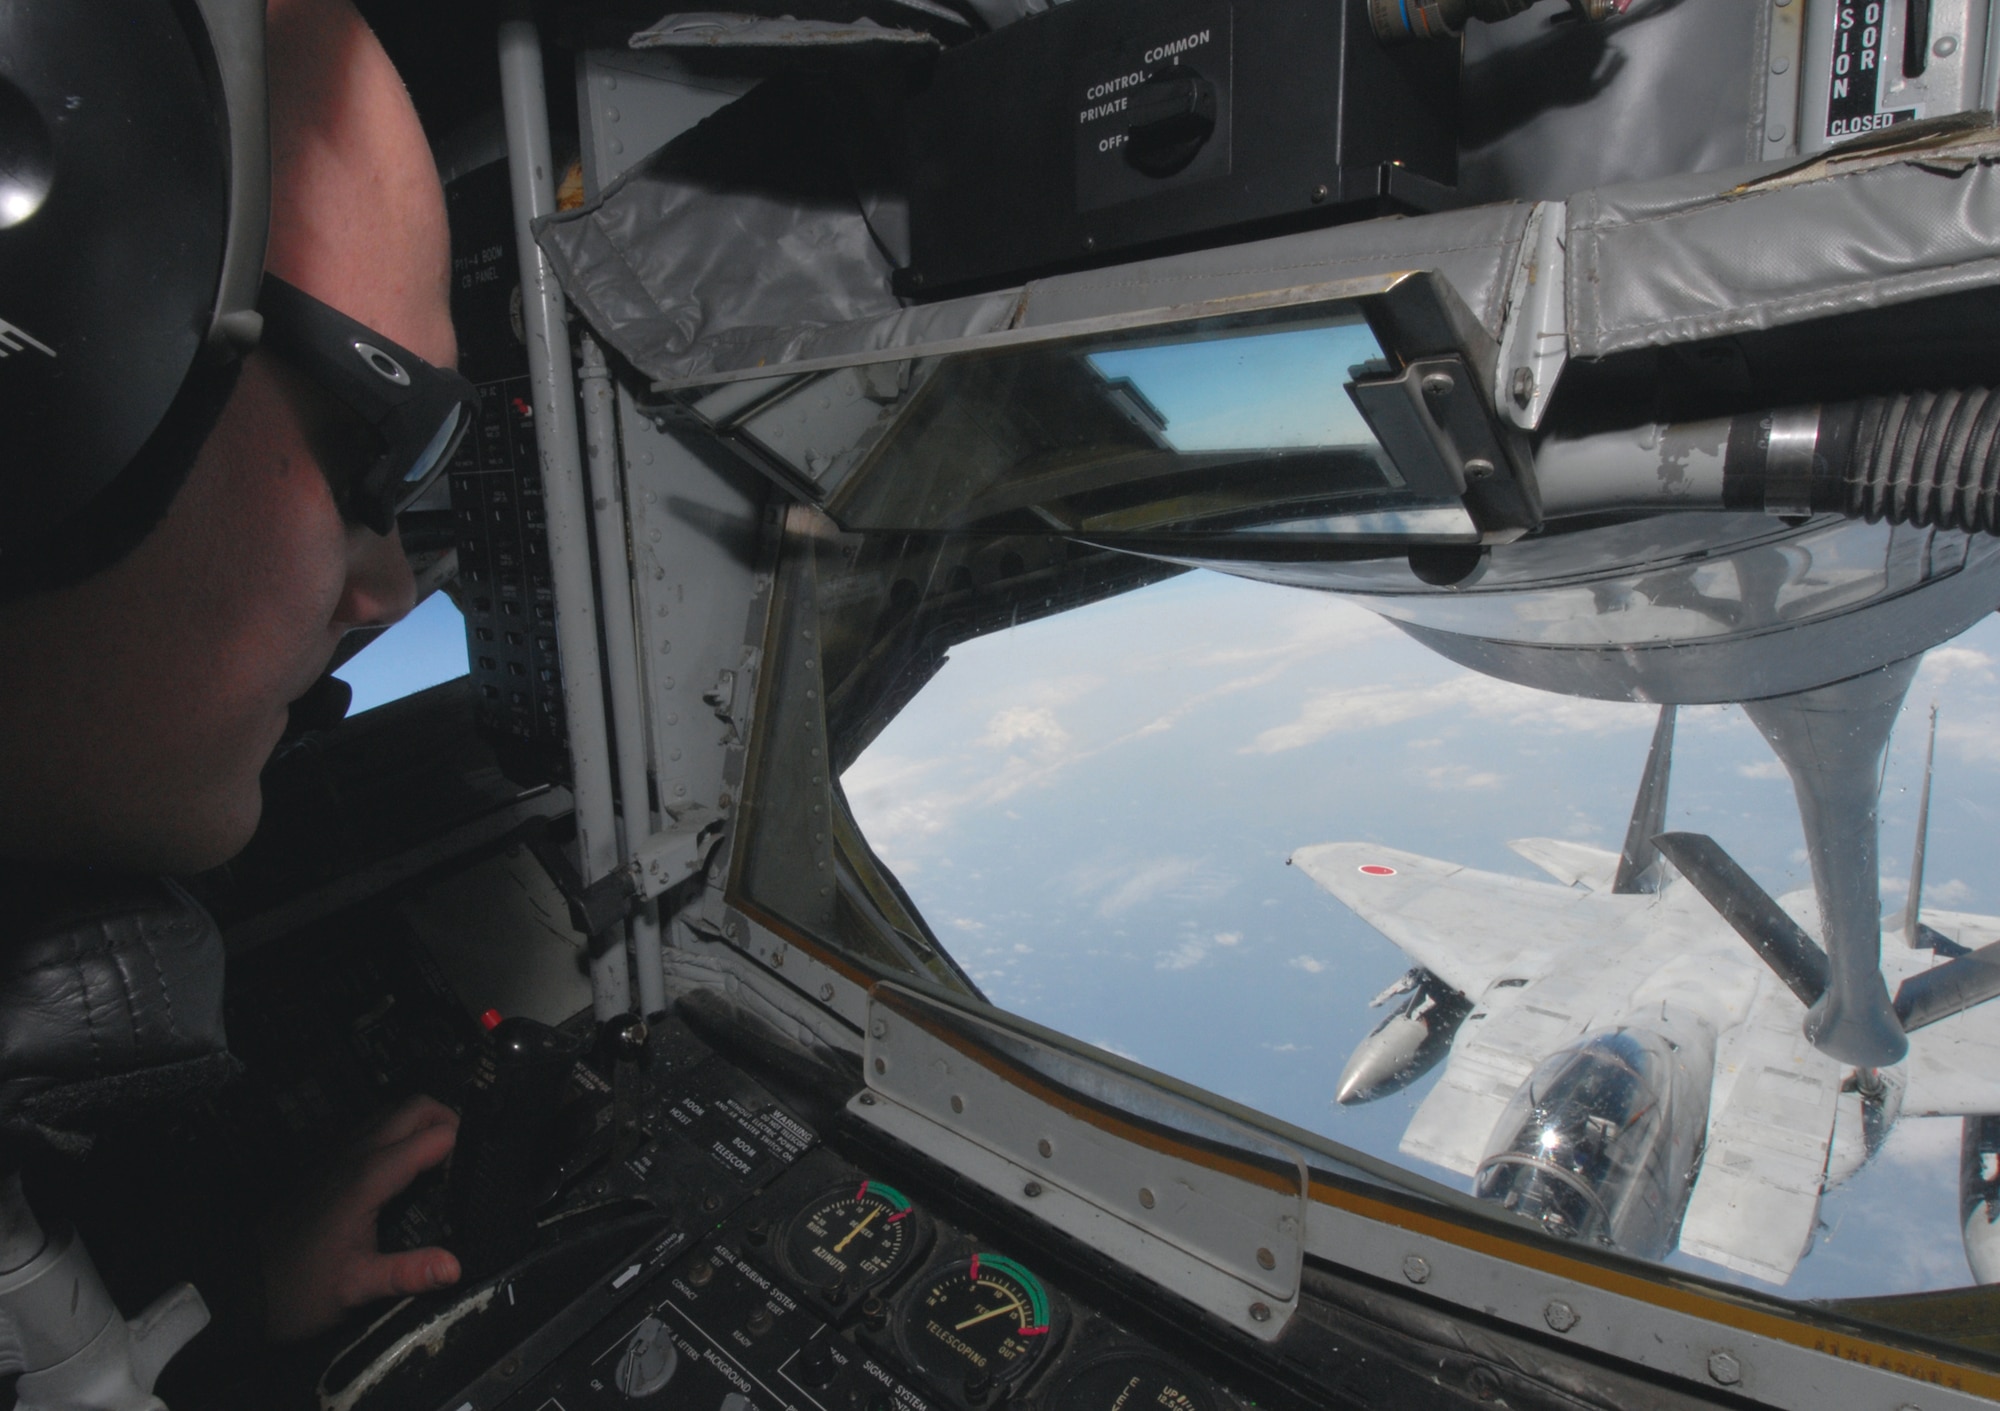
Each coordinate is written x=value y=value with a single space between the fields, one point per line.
x=502 y=1161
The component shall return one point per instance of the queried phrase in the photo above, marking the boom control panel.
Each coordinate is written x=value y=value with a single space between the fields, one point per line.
x=708 y=1252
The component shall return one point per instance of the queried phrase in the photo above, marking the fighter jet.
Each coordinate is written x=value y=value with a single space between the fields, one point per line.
x=1625 y=1069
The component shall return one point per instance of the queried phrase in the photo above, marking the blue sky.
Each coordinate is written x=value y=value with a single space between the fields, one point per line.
x=1259 y=390
x=423 y=649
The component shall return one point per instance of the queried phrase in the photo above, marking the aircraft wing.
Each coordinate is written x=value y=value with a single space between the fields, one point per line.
x=1574 y=864
x=1756 y=1201
x=1470 y=929
x=1969 y=930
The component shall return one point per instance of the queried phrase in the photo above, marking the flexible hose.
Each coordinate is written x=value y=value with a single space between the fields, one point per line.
x=1930 y=459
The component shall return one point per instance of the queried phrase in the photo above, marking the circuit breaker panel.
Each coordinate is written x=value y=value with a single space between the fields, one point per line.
x=496 y=493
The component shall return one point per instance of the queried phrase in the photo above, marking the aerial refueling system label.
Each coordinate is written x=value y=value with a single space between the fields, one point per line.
x=1856 y=88
x=1105 y=98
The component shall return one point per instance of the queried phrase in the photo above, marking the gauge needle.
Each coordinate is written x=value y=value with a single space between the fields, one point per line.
x=989 y=1313
x=866 y=1220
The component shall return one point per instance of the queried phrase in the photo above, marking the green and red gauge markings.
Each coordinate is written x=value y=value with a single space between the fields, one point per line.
x=983 y=1321
x=860 y=1238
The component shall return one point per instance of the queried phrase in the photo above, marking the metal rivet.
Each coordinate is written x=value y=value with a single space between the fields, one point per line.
x=1319 y=193
x=1945 y=47
x=1438 y=384
x=1559 y=1315
x=1090 y=242
x=1775 y=133
x=881 y=1065
x=826 y=992
x=511 y=1367
x=1483 y=1385
x=880 y=1028
x=1046 y=1147
x=1479 y=468
x=957 y=1103
x=1416 y=1269
x=1032 y=1189
x=1781 y=64
x=1266 y=1259
x=1726 y=1370
x=1260 y=1312
x=1523 y=386
x=1145 y=1197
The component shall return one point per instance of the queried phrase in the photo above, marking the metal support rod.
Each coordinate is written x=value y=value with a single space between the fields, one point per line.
x=621 y=649
x=529 y=161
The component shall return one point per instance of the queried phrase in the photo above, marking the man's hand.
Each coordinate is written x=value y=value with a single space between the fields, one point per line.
x=321 y=1256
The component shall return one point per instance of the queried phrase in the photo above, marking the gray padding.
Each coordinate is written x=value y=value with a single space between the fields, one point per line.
x=744 y=243
x=1549 y=109
x=722 y=29
x=1474 y=249
x=1693 y=258
x=687 y=280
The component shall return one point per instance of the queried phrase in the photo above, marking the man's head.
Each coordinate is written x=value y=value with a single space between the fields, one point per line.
x=137 y=708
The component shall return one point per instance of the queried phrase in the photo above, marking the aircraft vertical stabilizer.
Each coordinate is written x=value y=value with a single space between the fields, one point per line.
x=1639 y=863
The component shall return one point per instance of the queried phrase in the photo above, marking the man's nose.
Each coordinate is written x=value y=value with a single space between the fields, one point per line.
x=379 y=588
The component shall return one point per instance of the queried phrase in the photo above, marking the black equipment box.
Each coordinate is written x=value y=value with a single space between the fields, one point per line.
x=1105 y=126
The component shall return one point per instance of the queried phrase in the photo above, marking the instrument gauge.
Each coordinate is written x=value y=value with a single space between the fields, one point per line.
x=977 y=1324
x=1132 y=1380
x=854 y=1240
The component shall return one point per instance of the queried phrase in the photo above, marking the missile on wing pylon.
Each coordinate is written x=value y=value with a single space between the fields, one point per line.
x=1408 y=1043
x=1979 y=1197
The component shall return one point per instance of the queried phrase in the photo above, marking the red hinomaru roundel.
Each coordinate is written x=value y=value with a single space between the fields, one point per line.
x=1375 y=869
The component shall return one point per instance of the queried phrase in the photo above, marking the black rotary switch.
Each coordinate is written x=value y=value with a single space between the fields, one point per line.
x=817 y=1366
x=648 y=1361
x=1172 y=116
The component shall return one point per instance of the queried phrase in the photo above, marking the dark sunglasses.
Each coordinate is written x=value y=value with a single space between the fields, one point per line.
x=417 y=412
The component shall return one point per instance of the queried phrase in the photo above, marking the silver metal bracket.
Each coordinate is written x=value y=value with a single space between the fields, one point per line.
x=1534 y=344
x=1210 y=1209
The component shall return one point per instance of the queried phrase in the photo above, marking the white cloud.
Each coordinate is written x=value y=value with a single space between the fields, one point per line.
x=1765 y=769
x=1035 y=726
x=1945 y=665
x=1288 y=1048
x=1461 y=776
x=1928 y=1142
x=1119 y=887
x=1184 y=956
x=1229 y=938
x=1310 y=964
x=1347 y=709
x=1947 y=892
x=1121 y=1051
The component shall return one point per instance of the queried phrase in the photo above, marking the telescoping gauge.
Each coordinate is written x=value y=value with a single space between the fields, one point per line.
x=976 y=1325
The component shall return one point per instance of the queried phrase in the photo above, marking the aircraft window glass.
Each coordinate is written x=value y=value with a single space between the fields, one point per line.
x=1149 y=811
x=423 y=650
x=1259 y=391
